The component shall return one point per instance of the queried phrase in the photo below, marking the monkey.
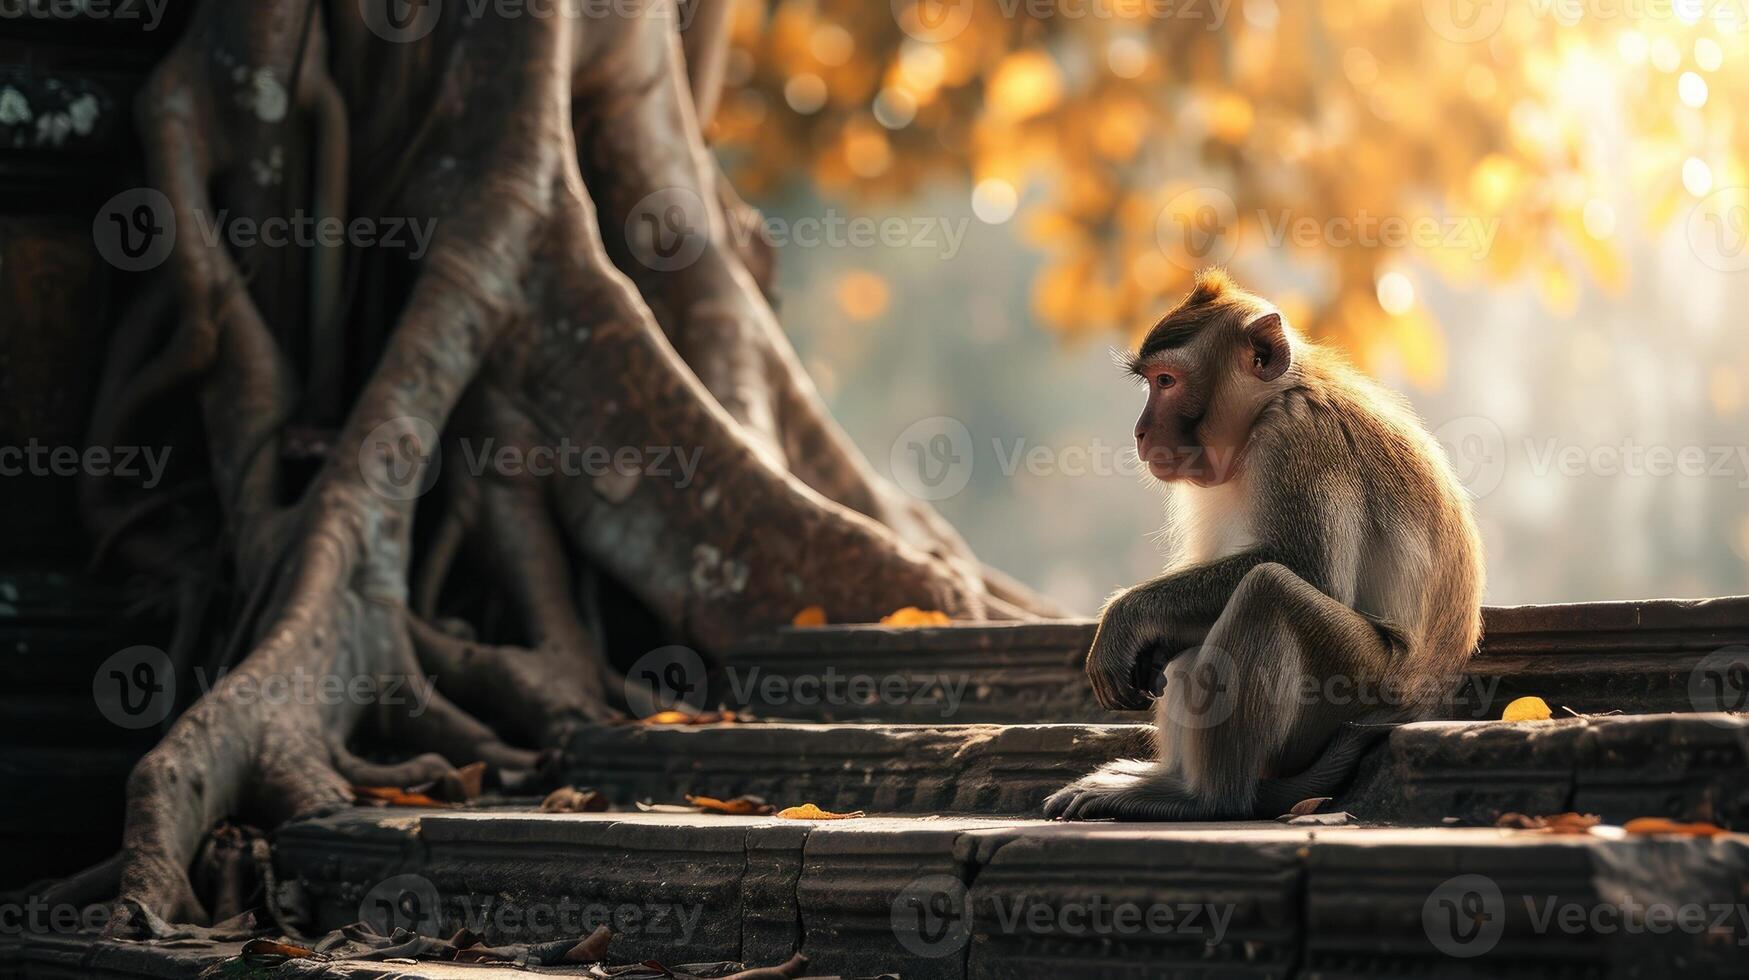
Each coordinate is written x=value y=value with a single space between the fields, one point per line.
x=1328 y=571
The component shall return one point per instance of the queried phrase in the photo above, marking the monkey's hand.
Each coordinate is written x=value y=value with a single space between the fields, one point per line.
x=1122 y=655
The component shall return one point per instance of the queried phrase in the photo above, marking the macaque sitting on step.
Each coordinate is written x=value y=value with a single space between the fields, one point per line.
x=1328 y=571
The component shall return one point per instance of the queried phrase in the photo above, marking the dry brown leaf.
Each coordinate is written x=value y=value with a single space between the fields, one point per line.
x=570 y=799
x=740 y=806
x=673 y=717
x=811 y=616
x=1642 y=826
x=1307 y=807
x=913 y=616
x=808 y=811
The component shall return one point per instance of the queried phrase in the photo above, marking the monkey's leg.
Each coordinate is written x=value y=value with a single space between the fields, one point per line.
x=1253 y=701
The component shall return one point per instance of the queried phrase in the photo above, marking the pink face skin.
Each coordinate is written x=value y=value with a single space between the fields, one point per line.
x=1202 y=399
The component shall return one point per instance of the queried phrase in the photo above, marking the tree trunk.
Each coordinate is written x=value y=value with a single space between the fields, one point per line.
x=582 y=289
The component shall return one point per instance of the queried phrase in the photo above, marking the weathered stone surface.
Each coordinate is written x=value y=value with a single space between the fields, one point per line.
x=1687 y=766
x=889 y=768
x=1020 y=898
x=1591 y=657
x=1690 y=767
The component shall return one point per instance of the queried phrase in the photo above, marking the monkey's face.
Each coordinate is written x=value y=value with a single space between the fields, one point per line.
x=1207 y=380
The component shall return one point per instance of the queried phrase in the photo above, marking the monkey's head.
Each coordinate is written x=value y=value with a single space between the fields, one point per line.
x=1210 y=366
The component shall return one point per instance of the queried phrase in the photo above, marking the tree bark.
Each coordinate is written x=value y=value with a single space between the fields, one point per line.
x=537 y=318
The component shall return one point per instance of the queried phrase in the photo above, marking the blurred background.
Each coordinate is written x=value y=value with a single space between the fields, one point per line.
x=1528 y=218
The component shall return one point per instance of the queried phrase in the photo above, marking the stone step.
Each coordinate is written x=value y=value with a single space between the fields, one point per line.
x=949 y=898
x=1692 y=766
x=1650 y=656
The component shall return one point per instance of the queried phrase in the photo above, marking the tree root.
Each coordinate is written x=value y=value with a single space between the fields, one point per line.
x=529 y=324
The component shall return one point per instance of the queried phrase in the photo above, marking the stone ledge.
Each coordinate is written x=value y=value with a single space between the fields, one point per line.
x=1689 y=766
x=989 y=898
x=1592 y=657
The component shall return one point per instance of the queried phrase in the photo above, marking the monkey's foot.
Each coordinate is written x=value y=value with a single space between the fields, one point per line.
x=1129 y=789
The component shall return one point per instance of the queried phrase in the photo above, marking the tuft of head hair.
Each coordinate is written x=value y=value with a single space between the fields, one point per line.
x=1212 y=284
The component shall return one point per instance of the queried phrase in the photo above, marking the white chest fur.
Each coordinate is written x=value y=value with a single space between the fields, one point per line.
x=1206 y=523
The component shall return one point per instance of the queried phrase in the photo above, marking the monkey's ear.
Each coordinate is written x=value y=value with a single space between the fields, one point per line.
x=1271 y=354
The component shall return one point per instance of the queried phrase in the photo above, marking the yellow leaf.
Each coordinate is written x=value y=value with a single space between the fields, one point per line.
x=1660 y=825
x=912 y=616
x=669 y=717
x=1527 y=709
x=811 y=616
x=808 y=811
x=740 y=806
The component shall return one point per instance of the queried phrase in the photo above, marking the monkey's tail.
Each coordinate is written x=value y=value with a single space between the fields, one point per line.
x=1330 y=774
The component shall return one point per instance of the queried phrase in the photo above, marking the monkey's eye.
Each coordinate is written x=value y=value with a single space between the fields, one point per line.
x=1165 y=381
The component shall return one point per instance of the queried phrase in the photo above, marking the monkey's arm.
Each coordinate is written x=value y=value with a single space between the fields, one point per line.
x=1174 y=612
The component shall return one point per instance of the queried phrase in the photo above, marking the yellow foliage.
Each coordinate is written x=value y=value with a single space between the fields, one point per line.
x=1120 y=128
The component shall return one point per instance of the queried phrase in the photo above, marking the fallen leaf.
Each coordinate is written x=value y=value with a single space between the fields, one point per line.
x=669 y=717
x=1643 y=826
x=1527 y=709
x=273 y=947
x=740 y=806
x=570 y=799
x=912 y=616
x=393 y=796
x=1307 y=807
x=673 y=717
x=808 y=811
x=1559 y=823
x=1340 y=818
x=811 y=616
x=667 y=808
